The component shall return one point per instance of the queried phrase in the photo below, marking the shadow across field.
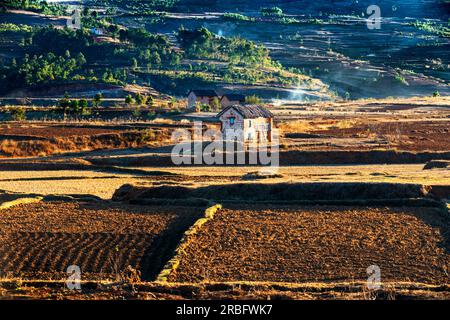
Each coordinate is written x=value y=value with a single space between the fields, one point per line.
x=279 y=192
x=163 y=246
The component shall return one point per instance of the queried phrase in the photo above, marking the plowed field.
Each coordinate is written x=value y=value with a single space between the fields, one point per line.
x=41 y=240
x=320 y=243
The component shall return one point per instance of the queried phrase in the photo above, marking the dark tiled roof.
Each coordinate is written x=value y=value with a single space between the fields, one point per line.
x=204 y=93
x=249 y=111
x=234 y=97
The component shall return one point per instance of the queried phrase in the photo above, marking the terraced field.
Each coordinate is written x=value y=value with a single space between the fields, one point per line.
x=319 y=243
x=39 y=241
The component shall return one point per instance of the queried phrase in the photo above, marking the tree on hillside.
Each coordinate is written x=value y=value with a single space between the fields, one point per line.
x=83 y=107
x=156 y=59
x=97 y=100
x=139 y=99
x=129 y=99
x=74 y=107
x=137 y=112
x=64 y=103
x=134 y=64
x=272 y=11
x=149 y=101
x=81 y=60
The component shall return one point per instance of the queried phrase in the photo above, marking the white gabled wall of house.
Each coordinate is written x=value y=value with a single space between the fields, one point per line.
x=227 y=125
x=253 y=129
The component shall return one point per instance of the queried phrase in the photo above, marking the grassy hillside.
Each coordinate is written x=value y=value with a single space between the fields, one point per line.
x=276 y=49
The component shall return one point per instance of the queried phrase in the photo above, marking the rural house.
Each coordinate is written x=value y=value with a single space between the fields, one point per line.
x=232 y=99
x=201 y=97
x=255 y=122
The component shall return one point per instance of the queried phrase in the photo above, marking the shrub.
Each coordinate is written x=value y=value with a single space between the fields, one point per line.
x=272 y=11
x=253 y=99
x=237 y=17
x=129 y=99
x=97 y=100
x=18 y=114
x=139 y=99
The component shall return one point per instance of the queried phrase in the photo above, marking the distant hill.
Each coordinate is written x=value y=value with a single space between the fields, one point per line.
x=389 y=8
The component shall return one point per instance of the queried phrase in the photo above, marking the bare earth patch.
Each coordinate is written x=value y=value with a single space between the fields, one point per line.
x=39 y=241
x=322 y=243
x=49 y=131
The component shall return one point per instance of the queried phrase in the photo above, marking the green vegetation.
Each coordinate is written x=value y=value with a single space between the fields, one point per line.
x=215 y=104
x=139 y=99
x=272 y=12
x=54 y=40
x=434 y=28
x=58 y=54
x=18 y=114
x=234 y=60
x=237 y=17
x=203 y=44
x=129 y=99
x=253 y=99
x=138 y=6
x=401 y=79
x=43 y=69
x=91 y=19
x=137 y=112
x=276 y=15
x=5 y=27
x=74 y=106
x=97 y=100
x=39 y=6
x=136 y=56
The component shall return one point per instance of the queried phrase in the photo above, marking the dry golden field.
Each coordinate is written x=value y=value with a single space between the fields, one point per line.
x=104 y=184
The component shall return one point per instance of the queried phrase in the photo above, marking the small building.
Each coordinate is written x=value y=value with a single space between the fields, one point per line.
x=232 y=99
x=252 y=122
x=201 y=97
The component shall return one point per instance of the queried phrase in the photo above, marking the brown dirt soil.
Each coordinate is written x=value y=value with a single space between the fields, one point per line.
x=119 y=140
x=23 y=290
x=309 y=244
x=39 y=241
x=402 y=135
x=53 y=131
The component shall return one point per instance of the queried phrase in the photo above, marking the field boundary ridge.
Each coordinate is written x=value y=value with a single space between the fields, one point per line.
x=172 y=265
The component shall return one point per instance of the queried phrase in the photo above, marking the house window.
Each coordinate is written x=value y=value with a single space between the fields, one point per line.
x=232 y=121
x=250 y=123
